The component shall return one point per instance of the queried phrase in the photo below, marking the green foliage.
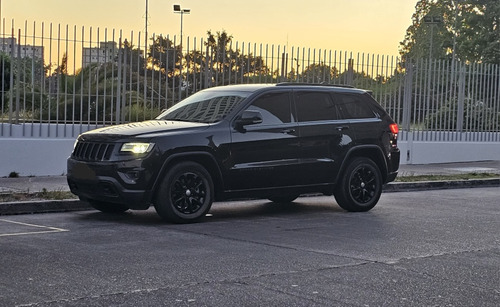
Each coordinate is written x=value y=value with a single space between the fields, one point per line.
x=477 y=116
x=318 y=73
x=470 y=28
x=165 y=56
x=5 y=71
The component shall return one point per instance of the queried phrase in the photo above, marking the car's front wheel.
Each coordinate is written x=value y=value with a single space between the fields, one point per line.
x=360 y=186
x=185 y=193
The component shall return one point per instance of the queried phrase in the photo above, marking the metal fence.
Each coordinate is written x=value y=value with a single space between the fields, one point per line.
x=60 y=81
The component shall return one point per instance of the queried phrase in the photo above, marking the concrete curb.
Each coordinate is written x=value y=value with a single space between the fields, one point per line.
x=46 y=206
x=43 y=206
x=440 y=185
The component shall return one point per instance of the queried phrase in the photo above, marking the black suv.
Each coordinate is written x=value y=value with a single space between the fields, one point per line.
x=260 y=141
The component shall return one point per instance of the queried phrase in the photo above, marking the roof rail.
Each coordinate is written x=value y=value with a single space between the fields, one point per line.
x=313 y=84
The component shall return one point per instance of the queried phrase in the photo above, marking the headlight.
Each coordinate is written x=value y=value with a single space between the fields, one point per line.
x=137 y=148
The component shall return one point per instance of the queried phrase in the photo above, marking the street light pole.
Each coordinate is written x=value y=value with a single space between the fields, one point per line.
x=146 y=27
x=431 y=21
x=179 y=10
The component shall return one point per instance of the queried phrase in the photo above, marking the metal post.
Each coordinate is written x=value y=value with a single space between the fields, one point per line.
x=179 y=10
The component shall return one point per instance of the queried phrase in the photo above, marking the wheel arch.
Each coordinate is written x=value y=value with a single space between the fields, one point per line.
x=205 y=159
x=373 y=153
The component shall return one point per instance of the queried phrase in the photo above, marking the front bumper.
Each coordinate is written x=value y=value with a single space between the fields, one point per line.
x=121 y=183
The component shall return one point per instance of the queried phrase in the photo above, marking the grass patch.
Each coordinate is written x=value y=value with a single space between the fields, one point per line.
x=465 y=176
x=42 y=195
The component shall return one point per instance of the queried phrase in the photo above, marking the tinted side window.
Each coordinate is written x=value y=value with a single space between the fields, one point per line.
x=314 y=106
x=353 y=106
x=274 y=107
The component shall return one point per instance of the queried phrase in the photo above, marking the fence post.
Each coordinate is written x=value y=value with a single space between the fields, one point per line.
x=350 y=72
x=461 y=98
x=12 y=69
x=118 y=116
x=407 y=93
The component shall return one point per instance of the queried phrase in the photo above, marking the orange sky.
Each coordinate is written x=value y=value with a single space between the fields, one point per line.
x=369 y=26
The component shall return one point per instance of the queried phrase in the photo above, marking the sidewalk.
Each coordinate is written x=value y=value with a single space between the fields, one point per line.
x=58 y=183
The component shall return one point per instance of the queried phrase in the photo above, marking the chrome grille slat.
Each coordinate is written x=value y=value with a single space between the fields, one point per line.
x=93 y=151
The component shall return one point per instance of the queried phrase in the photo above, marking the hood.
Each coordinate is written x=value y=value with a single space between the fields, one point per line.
x=146 y=127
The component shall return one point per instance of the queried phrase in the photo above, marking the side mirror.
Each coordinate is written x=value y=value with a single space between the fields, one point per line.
x=248 y=117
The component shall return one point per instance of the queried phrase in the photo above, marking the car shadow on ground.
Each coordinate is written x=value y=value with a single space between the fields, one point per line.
x=225 y=211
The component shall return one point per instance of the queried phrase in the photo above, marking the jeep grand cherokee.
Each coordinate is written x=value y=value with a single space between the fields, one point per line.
x=267 y=141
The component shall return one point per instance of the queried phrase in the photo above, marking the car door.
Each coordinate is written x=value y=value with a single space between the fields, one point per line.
x=363 y=119
x=265 y=155
x=325 y=137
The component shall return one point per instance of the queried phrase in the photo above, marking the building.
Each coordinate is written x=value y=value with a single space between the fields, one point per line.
x=106 y=52
x=9 y=45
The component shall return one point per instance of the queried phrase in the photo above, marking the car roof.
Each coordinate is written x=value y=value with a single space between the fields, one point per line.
x=259 y=86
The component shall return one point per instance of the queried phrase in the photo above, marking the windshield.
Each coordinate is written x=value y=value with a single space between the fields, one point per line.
x=205 y=106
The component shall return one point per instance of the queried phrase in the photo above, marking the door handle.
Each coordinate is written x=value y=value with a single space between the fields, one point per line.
x=341 y=128
x=288 y=131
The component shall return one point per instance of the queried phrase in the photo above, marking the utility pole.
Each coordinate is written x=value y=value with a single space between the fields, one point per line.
x=179 y=10
x=146 y=31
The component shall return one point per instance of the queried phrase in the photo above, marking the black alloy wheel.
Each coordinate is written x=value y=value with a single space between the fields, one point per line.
x=360 y=187
x=188 y=193
x=185 y=194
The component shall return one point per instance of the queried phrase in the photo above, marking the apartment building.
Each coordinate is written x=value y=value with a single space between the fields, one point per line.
x=106 y=52
x=9 y=45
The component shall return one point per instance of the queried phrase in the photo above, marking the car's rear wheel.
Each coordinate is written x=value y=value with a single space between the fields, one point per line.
x=185 y=193
x=283 y=199
x=108 y=207
x=360 y=186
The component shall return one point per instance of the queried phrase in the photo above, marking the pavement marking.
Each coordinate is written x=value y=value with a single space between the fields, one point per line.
x=49 y=229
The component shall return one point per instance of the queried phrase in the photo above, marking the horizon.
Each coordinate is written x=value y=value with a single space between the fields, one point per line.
x=377 y=28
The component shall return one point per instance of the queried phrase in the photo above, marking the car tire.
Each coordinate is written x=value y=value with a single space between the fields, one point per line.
x=283 y=199
x=185 y=194
x=108 y=207
x=360 y=186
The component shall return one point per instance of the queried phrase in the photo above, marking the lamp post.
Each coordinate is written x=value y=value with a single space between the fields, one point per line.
x=179 y=10
x=432 y=20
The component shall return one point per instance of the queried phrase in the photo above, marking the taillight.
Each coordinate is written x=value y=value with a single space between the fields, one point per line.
x=394 y=138
x=394 y=128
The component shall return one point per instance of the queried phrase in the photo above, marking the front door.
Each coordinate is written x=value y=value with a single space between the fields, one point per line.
x=265 y=155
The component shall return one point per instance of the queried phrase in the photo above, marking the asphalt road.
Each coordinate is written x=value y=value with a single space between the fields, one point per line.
x=433 y=248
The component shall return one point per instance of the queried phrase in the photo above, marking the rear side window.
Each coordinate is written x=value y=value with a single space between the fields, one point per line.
x=315 y=106
x=274 y=107
x=353 y=106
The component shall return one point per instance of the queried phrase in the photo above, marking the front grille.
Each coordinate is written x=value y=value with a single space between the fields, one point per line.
x=93 y=151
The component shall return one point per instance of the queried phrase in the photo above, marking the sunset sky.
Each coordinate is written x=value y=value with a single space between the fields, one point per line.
x=370 y=26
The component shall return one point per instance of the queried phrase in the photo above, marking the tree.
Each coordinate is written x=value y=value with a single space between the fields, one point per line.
x=5 y=72
x=423 y=35
x=468 y=30
x=231 y=63
x=132 y=57
x=165 y=56
x=478 y=37
x=317 y=73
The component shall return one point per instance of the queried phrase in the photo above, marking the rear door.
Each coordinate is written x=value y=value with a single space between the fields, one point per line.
x=265 y=155
x=364 y=119
x=325 y=137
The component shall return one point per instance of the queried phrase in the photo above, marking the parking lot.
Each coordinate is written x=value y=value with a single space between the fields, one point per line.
x=438 y=248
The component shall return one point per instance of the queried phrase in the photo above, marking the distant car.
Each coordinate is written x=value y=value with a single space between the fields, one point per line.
x=263 y=141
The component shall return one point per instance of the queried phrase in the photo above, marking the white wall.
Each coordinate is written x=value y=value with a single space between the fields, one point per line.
x=413 y=152
x=34 y=156
x=47 y=156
